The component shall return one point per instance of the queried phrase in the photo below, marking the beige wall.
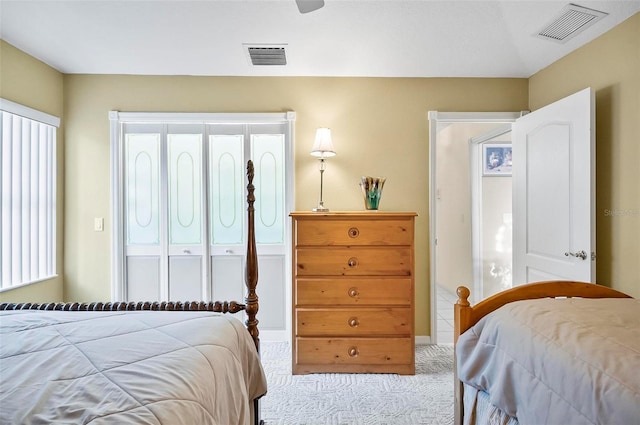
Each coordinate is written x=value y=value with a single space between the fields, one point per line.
x=379 y=126
x=611 y=66
x=32 y=83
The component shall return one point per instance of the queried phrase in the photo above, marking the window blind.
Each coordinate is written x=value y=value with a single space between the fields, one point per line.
x=28 y=183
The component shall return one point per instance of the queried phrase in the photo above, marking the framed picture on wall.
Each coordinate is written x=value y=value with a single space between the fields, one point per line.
x=496 y=159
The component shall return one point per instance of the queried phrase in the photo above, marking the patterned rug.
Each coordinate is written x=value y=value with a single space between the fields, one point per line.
x=359 y=399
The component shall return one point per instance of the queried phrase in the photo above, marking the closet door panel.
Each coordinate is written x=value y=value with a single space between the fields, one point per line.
x=267 y=151
x=271 y=284
x=227 y=212
x=142 y=187
x=226 y=180
x=185 y=189
x=185 y=213
x=143 y=234
x=185 y=278
x=143 y=277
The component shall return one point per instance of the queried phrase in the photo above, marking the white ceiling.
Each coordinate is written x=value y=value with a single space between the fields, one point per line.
x=378 y=38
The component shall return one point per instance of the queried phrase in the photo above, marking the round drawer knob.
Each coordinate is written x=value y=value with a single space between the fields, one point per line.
x=353 y=322
x=353 y=261
x=353 y=351
x=353 y=292
x=354 y=232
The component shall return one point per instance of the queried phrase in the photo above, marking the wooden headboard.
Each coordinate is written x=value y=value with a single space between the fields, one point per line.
x=466 y=316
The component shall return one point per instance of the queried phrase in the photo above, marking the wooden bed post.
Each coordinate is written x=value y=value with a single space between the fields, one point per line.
x=251 y=276
x=251 y=279
x=462 y=315
x=461 y=312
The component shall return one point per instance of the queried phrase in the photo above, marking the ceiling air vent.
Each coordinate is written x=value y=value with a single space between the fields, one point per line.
x=571 y=21
x=266 y=55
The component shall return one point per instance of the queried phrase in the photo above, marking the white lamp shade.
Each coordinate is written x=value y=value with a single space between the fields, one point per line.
x=323 y=146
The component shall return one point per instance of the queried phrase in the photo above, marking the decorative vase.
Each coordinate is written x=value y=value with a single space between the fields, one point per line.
x=372 y=191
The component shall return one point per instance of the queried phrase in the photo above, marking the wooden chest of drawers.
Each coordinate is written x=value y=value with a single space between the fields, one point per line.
x=353 y=292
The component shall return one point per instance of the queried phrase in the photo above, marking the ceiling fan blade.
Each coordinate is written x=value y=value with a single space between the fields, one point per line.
x=306 y=6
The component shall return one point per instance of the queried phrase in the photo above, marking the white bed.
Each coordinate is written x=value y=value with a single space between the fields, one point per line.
x=552 y=361
x=142 y=367
x=144 y=363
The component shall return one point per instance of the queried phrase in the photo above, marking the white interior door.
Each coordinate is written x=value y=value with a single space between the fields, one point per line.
x=226 y=210
x=186 y=245
x=145 y=268
x=268 y=152
x=554 y=192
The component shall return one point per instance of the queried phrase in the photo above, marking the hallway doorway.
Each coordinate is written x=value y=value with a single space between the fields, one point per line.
x=463 y=225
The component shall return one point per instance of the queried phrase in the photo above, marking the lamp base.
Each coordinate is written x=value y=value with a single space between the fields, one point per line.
x=320 y=208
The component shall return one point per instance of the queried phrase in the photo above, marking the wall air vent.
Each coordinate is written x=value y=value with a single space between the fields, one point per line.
x=261 y=54
x=571 y=21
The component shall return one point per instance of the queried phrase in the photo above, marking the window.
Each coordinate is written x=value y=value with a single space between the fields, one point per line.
x=28 y=184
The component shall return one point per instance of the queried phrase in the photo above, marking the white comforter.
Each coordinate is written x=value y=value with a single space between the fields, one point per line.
x=126 y=368
x=565 y=361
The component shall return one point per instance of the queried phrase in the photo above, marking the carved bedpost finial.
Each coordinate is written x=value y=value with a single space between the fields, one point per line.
x=463 y=296
x=251 y=275
x=461 y=313
x=250 y=174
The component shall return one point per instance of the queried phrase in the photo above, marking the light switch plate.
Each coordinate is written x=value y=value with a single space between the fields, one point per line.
x=98 y=224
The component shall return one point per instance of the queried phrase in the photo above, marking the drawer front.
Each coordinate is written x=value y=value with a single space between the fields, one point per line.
x=353 y=322
x=355 y=351
x=354 y=232
x=346 y=261
x=353 y=291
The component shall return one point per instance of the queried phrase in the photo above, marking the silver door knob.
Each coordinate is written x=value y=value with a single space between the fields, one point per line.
x=580 y=254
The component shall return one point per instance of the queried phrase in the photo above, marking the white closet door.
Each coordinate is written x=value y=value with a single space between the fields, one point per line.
x=185 y=213
x=267 y=144
x=144 y=238
x=227 y=211
x=185 y=220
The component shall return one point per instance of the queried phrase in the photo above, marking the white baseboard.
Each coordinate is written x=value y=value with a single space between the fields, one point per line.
x=274 y=336
x=423 y=340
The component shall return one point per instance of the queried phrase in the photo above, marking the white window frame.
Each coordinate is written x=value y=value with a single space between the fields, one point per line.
x=29 y=257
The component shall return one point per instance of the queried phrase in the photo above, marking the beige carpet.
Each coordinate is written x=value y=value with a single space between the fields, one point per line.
x=359 y=399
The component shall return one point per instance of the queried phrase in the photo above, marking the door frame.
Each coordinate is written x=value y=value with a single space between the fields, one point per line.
x=117 y=119
x=436 y=118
